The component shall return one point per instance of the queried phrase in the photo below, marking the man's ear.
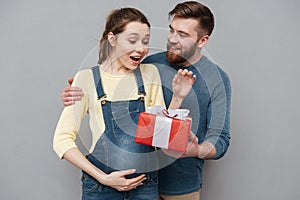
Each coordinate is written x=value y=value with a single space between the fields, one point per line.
x=111 y=39
x=203 y=41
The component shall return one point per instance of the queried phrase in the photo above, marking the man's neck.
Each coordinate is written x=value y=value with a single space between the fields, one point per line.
x=192 y=60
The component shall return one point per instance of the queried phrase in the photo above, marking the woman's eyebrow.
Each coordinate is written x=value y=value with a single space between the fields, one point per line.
x=137 y=34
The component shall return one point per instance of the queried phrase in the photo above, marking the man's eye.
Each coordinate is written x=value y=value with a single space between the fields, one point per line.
x=183 y=35
x=171 y=31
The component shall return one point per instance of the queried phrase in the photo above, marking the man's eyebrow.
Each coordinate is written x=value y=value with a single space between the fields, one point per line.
x=182 y=32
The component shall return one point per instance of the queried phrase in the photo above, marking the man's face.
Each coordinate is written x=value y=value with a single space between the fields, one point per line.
x=183 y=40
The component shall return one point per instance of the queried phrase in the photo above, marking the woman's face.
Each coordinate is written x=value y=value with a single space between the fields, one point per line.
x=131 y=45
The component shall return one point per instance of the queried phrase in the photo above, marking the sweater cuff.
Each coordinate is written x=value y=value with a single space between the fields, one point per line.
x=220 y=150
x=62 y=150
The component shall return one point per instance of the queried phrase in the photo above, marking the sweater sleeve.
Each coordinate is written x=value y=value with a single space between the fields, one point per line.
x=69 y=122
x=218 y=117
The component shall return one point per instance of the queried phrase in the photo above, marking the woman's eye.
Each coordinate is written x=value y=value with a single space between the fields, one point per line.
x=145 y=42
x=132 y=41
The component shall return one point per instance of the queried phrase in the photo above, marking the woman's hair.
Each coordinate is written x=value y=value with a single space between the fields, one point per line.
x=115 y=23
x=195 y=10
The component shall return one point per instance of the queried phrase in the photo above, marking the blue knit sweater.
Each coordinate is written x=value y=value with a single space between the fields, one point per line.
x=209 y=105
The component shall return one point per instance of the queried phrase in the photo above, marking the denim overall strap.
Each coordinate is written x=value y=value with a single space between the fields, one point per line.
x=116 y=148
x=98 y=82
x=99 y=87
x=139 y=81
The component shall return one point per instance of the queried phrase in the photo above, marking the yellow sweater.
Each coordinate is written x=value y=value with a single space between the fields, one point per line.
x=117 y=88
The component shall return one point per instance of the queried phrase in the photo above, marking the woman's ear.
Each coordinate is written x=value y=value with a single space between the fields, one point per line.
x=203 y=41
x=111 y=38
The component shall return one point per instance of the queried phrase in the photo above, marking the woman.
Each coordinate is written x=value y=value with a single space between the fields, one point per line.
x=115 y=92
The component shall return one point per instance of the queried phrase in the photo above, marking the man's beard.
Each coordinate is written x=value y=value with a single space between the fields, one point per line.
x=182 y=58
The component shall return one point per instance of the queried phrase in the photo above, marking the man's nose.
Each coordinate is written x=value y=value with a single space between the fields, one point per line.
x=173 y=38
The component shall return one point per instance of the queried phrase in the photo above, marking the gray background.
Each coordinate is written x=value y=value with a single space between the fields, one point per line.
x=42 y=43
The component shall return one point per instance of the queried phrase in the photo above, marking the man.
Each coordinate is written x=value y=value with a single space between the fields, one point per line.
x=209 y=101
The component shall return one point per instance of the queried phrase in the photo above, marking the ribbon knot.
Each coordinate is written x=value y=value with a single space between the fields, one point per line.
x=166 y=113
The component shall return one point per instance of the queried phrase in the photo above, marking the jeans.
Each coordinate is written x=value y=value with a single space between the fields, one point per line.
x=93 y=190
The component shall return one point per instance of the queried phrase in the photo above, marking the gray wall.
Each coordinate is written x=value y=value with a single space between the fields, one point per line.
x=43 y=43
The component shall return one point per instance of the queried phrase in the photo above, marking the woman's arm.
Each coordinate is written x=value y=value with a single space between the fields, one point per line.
x=115 y=180
x=65 y=136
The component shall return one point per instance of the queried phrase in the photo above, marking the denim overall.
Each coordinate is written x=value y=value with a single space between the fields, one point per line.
x=116 y=150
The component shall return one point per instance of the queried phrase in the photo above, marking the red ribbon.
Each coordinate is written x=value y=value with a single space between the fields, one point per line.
x=165 y=112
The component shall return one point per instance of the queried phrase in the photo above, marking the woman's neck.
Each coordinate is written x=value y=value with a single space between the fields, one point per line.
x=115 y=68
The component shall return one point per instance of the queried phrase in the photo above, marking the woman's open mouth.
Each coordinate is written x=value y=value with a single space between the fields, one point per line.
x=136 y=59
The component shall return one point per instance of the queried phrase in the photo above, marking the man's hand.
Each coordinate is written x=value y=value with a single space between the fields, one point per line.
x=182 y=84
x=193 y=147
x=71 y=94
x=204 y=150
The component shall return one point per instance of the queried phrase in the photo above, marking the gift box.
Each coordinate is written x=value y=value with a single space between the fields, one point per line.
x=158 y=127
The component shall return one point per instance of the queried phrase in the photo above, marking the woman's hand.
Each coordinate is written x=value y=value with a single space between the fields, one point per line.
x=115 y=180
x=118 y=181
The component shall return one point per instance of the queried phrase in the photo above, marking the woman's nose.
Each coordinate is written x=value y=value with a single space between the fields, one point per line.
x=141 y=48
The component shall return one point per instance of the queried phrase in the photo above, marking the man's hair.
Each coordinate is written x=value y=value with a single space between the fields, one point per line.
x=195 y=10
